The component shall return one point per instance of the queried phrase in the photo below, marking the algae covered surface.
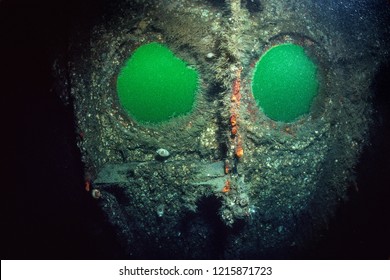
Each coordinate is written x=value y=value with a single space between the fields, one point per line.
x=236 y=183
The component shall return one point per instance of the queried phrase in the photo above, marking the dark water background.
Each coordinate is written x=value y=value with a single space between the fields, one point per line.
x=46 y=213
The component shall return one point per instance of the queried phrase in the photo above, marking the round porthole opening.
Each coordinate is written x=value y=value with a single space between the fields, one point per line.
x=285 y=82
x=155 y=86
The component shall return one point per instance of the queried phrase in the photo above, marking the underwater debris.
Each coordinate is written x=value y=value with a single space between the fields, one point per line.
x=210 y=55
x=160 y=210
x=163 y=153
x=216 y=184
x=96 y=194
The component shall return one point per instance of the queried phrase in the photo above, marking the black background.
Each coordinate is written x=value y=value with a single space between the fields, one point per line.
x=46 y=214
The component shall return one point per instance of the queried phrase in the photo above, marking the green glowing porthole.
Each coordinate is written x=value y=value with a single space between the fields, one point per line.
x=285 y=82
x=154 y=85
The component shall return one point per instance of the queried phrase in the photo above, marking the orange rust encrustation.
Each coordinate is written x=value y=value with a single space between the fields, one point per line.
x=235 y=140
x=235 y=150
x=235 y=115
